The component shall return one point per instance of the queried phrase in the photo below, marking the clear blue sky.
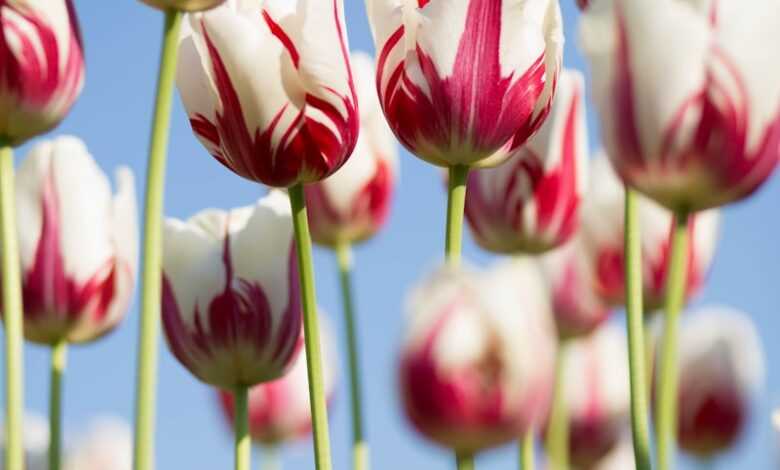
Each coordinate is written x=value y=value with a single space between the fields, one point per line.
x=122 y=40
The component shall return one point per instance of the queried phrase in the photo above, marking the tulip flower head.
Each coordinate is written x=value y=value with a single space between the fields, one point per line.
x=35 y=437
x=460 y=81
x=688 y=94
x=108 y=445
x=353 y=204
x=78 y=243
x=530 y=204
x=279 y=411
x=721 y=370
x=602 y=219
x=184 y=5
x=476 y=368
x=231 y=301
x=268 y=88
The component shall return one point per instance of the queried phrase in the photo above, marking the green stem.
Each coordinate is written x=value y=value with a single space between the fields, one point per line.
x=527 y=457
x=12 y=313
x=59 y=358
x=666 y=406
x=456 y=202
x=465 y=461
x=558 y=430
x=319 y=410
x=143 y=457
x=636 y=333
x=241 y=425
x=359 y=444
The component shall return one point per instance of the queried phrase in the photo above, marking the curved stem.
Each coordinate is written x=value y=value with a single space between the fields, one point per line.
x=456 y=202
x=319 y=410
x=12 y=313
x=558 y=431
x=143 y=456
x=636 y=333
x=527 y=457
x=243 y=450
x=359 y=444
x=59 y=358
x=666 y=406
x=464 y=461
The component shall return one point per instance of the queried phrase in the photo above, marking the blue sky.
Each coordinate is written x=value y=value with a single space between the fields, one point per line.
x=122 y=44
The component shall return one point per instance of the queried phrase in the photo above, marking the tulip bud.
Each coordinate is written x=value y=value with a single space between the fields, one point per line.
x=530 y=204
x=42 y=66
x=721 y=369
x=108 y=445
x=279 y=411
x=476 y=367
x=577 y=306
x=231 y=301
x=459 y=82
x=603 y=232
x=184 y=5
x=352 y=205
x=268 y=88
x=690 y=110
x=77 y=243
x=35 y=437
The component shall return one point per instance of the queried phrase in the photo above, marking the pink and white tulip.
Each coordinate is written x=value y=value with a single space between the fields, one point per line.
x=268 y=88
x=603 y=229
x=231 y=301
x=721 y=371
x=78 y=243
x=184 y=5
x=476 y=367
x=353 y=204
x=41 y=66
x=530 y=204
x=107 y=445
x=279 y=411
x=689 y=95
x=461 y=81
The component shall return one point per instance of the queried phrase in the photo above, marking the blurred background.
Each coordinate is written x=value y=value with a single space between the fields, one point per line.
x=122 y=40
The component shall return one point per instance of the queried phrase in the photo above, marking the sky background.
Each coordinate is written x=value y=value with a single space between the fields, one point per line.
x=122 y=40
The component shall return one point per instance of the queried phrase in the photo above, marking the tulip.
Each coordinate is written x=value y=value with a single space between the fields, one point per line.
x=36 y=442
x=620 y=458
x=530 y=204
x=583 y=4
x=231 y=304
x=184 y=5
x=279 y=411
x=603 y=225
x=690 y=110
x=78 y=243
x=268 y=88
x=352 y=205
x=42 y=66
x=721 y=370
x=459 y=82
x=108 y=445
x=476 y=365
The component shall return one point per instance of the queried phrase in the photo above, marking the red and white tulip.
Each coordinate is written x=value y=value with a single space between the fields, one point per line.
x=530 y=204
x=461 y=81
x=476 y=367
x=721 y=371
x=78 y=243
x=353 y=204
x=689 y=95
x=279 y=411
x=231 y=302
x=268 y=88
x=603 y=229
x=41 y=66
x=184 y=5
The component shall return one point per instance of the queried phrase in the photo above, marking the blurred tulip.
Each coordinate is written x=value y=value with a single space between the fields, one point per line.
x=620 y=458
x=461 y=81
x=690 y=109
x=279 y=411
x=602 y=219
x=184 y=5
x=108 y=445
x=41 y=66
x=231 y=302
x=530 y=204
x=577 y=306
x=268 y=88
x=476 y=367
x=352 y=205
x=77 y=243
x=583 y=4
x=35 y=436
x=721 y=369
